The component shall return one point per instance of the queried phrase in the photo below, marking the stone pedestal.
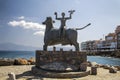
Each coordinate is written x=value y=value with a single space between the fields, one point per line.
x=52 y=74
x=71 y=58
x=61 y=64
x=93 y=70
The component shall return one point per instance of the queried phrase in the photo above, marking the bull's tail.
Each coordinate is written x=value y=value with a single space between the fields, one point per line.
x=83 y=27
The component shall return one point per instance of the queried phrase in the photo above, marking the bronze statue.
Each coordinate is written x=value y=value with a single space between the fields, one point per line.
x=63 y=22
x=52 y=35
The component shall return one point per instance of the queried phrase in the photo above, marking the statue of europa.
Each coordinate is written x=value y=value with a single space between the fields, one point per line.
x=62 y=35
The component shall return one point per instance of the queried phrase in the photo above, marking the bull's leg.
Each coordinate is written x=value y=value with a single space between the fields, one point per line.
x=76 y=46
x=45 y=47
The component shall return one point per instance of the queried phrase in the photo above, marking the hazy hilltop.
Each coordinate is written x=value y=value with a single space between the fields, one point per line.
x=14 y=47
x=17 y=47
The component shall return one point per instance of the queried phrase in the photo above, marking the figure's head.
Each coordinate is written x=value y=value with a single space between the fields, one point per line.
x=63 y=14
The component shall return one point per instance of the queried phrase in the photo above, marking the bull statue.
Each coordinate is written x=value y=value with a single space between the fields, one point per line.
x=52 y=37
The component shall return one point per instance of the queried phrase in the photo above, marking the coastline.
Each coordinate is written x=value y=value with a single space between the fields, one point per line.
x=17 y=61
x=114 y=54
x=22 y=70
x=21 y=67
x=31 y=61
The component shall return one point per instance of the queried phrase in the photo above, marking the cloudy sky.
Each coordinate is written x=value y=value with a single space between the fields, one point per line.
x=20 y=20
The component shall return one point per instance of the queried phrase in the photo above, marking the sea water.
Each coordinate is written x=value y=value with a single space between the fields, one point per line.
x=104 y=60
x=17 y=54
x=29 y=54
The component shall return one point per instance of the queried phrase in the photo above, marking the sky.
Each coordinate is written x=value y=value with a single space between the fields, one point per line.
x=21 y=20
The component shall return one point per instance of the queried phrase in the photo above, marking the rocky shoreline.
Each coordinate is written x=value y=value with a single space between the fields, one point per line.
x=114 y=68
x=115 y=54
x=22 y=69
x=31 y=61
x=17 y=61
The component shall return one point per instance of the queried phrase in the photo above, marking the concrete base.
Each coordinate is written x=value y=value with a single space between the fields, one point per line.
x=44 y=73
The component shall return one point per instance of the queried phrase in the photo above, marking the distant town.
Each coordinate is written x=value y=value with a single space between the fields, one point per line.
x=110 y=44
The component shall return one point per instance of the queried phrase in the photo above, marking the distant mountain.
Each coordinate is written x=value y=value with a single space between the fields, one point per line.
x=15 y=47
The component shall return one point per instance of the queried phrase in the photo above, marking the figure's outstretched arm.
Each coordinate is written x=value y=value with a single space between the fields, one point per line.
x=56 y=16
x=71 y=12
x=70 y=17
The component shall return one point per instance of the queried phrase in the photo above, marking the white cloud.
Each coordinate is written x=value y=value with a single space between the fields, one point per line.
x=39 y=33
x=21 y=17
x=28 y=25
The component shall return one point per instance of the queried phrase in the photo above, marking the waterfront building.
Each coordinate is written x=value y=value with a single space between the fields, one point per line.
x=84 y=46
x=118 y=40
x=89 y=46
x=111 y=42
x=98 y=45
x=117 y=31
x=107 y=46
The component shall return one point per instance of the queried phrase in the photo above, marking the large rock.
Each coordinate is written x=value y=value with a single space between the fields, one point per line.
x=20 y=61
x=6 y=62
x=118 y=67
x=112 y=70
x=31 y=61
x=11 y=76
x=106 y=66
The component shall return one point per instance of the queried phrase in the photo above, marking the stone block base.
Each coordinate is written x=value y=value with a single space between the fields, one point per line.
x=61 y=60
x=40 y=72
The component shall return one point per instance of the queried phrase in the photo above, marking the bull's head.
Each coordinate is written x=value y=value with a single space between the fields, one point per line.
x=48 y=20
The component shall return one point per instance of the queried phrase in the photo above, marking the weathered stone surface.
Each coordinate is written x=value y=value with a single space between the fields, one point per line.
x=93 y=70
x=59 y=66
x=106 y=66
x=118 y=67
x=44 y=73
x=11 y=76
x=83 y=66
x=112 y=70
x=69 y=57
x=6 y=62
